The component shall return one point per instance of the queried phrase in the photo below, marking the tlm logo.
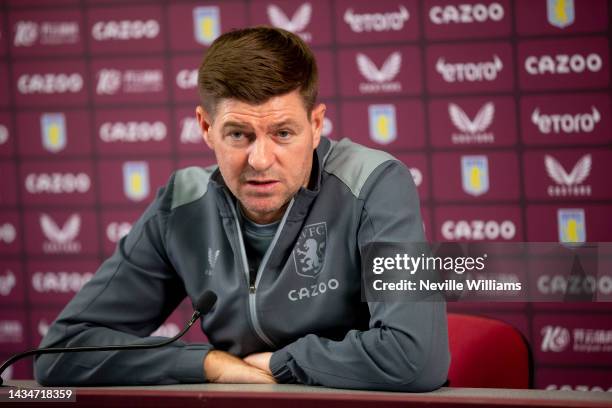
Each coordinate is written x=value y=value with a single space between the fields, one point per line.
x=190 y=131
x=61 y=239
x=386 y=73
x=297 y=24
x=554 y=338
x=26 y=33
x=109 y=82
x=568 y=184
x=7 y=233
x=566 y=123
x=213 y=256
x=472 y=130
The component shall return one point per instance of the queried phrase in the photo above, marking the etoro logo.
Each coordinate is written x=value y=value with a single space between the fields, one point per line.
x=562 y=64
x=478 y=230
x=565 y=122
x=298 y=22
x=466 y=13
x=379 y=80
x=568 y=184
x=117 y=230
x=61 y=240
x=554 y=338
x=376 y=22
x=125 y=30
x=472 y=130
x=469 y=71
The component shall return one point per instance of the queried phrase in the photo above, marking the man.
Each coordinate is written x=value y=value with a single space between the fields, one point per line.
x=276 y=231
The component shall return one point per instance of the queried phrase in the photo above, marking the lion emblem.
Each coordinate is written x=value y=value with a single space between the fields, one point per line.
x=309 y=253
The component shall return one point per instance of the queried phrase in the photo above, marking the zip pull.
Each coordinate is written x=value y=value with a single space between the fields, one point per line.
x=252 y=289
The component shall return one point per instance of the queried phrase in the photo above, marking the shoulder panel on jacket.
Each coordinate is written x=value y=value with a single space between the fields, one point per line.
x=353 y=163
x=190 y=184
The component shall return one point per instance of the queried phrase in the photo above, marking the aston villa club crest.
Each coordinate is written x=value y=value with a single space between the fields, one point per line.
x=206 y=24
x=309 y=252
x=475 y=174
x=53 y=131
x=560 y=12
x=383 y=127
x=571 y=224
x=136 y=180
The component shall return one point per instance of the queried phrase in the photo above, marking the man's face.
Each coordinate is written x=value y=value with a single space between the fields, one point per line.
x=264 y=152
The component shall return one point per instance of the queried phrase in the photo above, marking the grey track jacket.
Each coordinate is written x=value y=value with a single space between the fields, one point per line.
x=305 y=305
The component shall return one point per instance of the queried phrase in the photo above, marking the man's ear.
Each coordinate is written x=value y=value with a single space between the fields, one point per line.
x=205 y=123
x=317 y=118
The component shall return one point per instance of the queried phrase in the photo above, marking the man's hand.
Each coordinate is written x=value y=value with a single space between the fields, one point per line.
x=260 y=360
x=222 y=367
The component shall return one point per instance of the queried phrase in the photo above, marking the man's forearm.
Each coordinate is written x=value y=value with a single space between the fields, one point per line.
x=222 y=367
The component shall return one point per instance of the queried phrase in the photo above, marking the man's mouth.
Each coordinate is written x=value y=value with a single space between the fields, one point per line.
x=262 y=186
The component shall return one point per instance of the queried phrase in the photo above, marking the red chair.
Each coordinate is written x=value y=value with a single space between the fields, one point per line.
x=487 y=353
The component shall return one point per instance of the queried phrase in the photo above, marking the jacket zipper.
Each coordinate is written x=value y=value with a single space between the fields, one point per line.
x=253 y=287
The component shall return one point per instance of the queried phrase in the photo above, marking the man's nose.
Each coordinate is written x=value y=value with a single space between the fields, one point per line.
x=261 y=156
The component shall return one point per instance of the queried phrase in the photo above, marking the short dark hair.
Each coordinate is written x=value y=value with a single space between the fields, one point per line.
x=255 y=64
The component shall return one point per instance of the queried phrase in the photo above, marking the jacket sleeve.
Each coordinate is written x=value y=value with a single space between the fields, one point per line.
x=130 y=295
x=406 y=345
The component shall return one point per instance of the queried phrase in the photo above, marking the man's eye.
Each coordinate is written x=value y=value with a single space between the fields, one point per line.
x=283 y=134
x=236 y=135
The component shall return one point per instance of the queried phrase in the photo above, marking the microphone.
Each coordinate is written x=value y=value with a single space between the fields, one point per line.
x=204 y=304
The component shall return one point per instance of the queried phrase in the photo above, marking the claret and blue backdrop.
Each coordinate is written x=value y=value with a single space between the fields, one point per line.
x=500 y=108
